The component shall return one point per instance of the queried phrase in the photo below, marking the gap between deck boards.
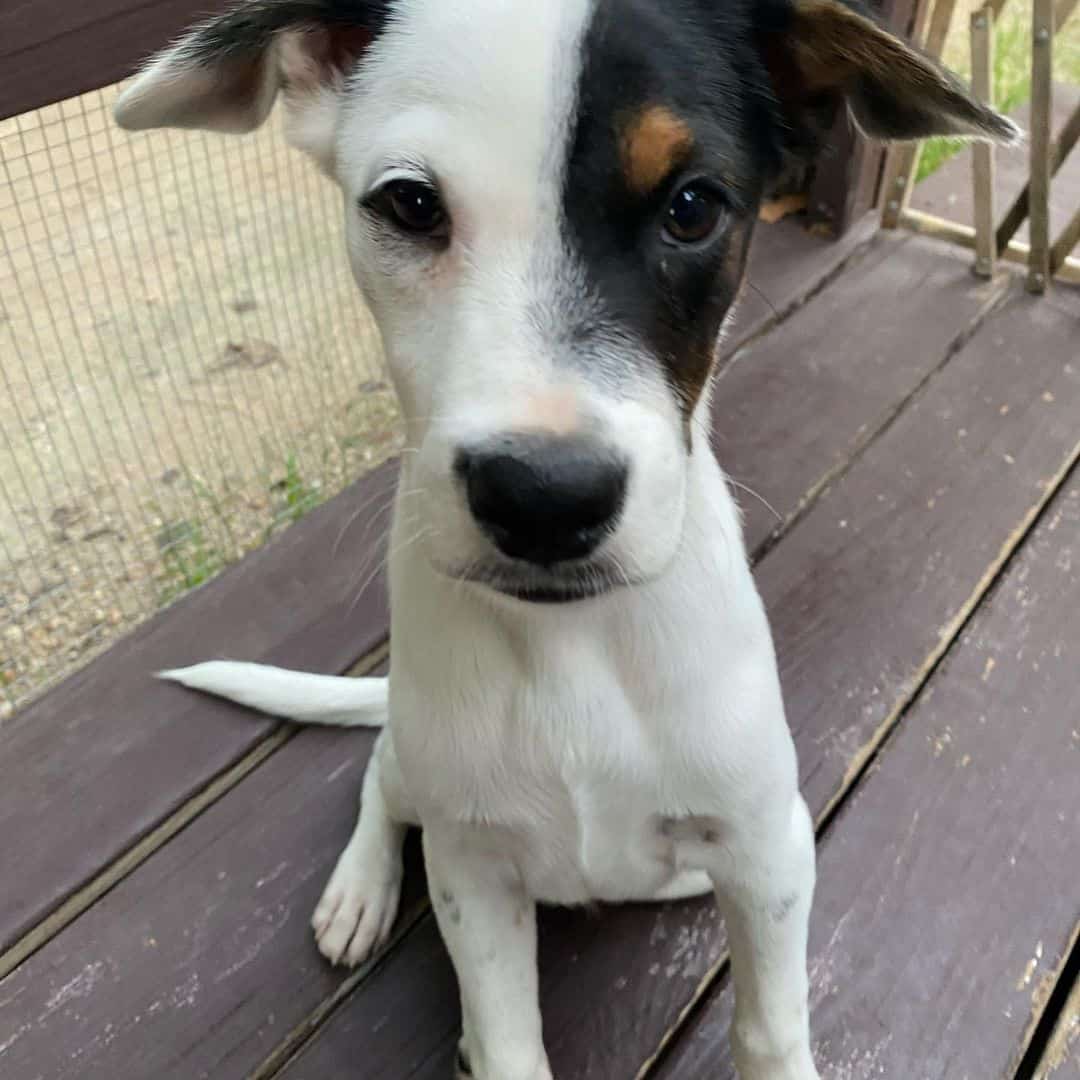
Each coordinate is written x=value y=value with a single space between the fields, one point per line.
x=120 y=868
x=1061 y=1044
x=1051 y=1029
x=834 y=259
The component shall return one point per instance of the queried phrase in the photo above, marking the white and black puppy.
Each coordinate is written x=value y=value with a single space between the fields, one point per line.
x=548 y=205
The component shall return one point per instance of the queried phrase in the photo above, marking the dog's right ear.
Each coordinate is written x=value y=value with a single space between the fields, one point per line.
x=821 y=53
x=225 y=74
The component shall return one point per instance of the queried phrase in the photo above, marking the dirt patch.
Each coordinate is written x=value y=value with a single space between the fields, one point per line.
x=186 y=369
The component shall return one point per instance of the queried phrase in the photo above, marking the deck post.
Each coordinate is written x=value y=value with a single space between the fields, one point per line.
x=982 y=156
x=1042 y=59
x=849 y=175
x=902 y=164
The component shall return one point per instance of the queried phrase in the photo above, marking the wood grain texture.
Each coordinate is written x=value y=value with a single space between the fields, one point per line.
x=788 y=264
x=100 y=760
x=795 y=406
x=202 y=962
x=864 y=595
x=53 y=49
x=946 y=903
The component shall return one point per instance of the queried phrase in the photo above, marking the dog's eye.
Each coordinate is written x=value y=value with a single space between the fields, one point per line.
x=412 y=206
x=693 y=214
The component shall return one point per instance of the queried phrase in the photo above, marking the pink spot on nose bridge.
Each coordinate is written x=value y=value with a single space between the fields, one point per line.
x=553 y=410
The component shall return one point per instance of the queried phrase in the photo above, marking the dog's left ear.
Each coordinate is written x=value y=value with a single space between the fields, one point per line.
x=225 y=74
x=821 y=52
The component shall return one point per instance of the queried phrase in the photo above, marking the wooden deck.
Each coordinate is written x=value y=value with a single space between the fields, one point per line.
x=916 y=432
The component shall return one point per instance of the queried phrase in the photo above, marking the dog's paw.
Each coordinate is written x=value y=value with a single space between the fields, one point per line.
x=358 y=906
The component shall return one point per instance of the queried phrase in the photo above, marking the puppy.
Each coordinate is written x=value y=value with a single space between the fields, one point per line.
x=548 y=206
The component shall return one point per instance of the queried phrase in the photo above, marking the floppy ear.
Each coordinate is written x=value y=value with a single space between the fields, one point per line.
x=225 y=74
x=821 y=52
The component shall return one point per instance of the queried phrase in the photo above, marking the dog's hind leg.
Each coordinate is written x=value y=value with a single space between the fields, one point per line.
x=360 y=901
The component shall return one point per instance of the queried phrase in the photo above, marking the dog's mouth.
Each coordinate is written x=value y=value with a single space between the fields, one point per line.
x=534 y=585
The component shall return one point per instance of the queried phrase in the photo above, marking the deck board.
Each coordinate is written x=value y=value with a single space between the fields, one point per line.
x=864 y=595
x=201 y=962
x=788 y=264
x=929 y=954
x=101 y=759
x=794 y=408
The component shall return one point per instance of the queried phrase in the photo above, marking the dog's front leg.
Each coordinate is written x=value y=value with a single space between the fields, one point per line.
x=489 y=926
x=764 y=878
x=359 y=904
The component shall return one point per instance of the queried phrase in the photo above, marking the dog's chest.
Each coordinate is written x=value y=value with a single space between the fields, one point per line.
x=568 y=767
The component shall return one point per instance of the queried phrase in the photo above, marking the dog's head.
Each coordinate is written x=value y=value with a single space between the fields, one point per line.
x=548 y=206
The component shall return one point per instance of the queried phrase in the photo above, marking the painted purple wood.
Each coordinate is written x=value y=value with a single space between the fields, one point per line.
x=54 y=49
x=99 y=761
x=947 y=899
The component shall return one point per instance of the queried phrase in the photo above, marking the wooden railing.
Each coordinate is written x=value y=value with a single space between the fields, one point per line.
x=51 y=50
x=1043 y=256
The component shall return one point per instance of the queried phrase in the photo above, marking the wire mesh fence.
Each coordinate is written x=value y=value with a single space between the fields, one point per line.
x=185 y=369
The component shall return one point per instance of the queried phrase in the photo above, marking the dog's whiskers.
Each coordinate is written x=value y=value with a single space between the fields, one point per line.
x=392 y=499
x=355 y=516
x=760 y=498
x=419 y=535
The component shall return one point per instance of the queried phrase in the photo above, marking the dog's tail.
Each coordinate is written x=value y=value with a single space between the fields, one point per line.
x=292 y=695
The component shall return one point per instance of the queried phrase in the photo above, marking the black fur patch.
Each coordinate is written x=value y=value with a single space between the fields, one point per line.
x=698 y=62
x=250 y=27
x=748 y=85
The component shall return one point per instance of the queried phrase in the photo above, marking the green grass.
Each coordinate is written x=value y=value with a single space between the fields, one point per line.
x=1012 y=68
x=191 y=552
x=188 y=559
x=297 y=495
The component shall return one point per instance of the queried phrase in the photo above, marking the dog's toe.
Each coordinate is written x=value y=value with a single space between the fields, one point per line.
x=357 y=910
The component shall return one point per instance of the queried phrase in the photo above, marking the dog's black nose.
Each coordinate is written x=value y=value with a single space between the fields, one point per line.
x=543 y=499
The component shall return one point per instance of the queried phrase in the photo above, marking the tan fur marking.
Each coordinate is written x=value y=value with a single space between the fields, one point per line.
x=652 y=144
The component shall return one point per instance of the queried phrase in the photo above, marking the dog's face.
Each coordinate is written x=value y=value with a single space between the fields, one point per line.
x=548 y=207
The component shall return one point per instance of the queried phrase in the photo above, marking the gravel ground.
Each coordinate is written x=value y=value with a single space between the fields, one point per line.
x=185 y=368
